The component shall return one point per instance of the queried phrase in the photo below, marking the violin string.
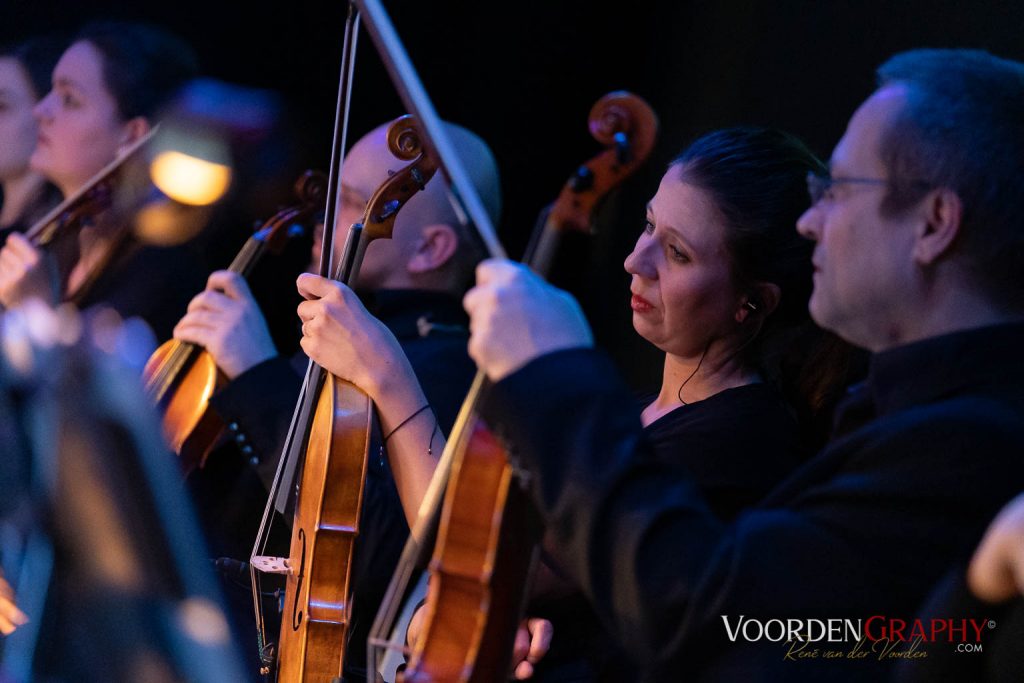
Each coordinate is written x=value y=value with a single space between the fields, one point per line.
x=158 y=385
x=170 y=370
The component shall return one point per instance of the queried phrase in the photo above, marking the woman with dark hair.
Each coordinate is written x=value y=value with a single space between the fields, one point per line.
x=24 y=78
x=107 y=88
x=720 y=283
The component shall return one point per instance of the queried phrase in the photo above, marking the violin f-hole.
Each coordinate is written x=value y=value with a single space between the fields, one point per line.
x=296 y=612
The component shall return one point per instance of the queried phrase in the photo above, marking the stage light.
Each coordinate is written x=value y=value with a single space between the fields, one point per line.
x=190 y=179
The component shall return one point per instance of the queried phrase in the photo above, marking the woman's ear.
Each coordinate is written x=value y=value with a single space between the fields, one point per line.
x=132 y=131
x=435 y=247
x=760 y=301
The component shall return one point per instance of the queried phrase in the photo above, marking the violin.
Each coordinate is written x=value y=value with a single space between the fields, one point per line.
x=57 y=231
x=489 y=531
x=180 y=377
x=335 y=443
x=312 y=651
x=94 y=196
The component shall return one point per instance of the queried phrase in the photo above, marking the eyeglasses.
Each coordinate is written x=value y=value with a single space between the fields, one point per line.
x=819 y=185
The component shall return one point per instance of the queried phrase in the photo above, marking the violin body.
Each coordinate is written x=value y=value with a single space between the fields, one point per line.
x=190 y=427
x=487 y=530
x=324 y=531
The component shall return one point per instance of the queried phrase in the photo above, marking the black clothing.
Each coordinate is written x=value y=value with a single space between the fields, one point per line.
x=152 y=283
x=865 y=527
x=735 y=446
x=432 y=329
x=1001 y=659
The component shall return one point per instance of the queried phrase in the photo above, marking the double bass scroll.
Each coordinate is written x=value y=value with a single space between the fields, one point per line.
x=626 y=127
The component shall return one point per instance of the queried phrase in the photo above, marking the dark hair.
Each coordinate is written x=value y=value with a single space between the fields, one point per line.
x=757 y=178
x=37 y=57
x=143 y=66
x=963 y=128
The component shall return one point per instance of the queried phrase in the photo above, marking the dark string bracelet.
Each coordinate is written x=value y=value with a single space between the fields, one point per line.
x=430 y=444
x=403 y=422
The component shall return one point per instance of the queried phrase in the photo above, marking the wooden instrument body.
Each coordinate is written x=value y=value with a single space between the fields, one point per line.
x=325 y=527
x=487 y=532
x=190 y=426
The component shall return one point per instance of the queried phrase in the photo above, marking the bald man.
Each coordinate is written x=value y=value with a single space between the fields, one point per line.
x=429 y=250
x=413 y=283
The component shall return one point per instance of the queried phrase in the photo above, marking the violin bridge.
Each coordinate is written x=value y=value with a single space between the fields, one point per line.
x=270 y=565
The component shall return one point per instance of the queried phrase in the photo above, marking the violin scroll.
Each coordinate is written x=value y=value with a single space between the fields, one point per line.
x=311 y=187
x=404 y=141
x=311 y=190
x=404 y=138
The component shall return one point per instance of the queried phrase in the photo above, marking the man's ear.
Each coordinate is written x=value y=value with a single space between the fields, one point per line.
x=760 y=302
x=435 y=246
x=132 y=131
x=942 y=212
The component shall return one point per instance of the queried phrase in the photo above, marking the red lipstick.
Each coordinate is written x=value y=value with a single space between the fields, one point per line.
x=640 y=304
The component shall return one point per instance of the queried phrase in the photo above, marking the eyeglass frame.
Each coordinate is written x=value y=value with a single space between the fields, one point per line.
x=820 y=183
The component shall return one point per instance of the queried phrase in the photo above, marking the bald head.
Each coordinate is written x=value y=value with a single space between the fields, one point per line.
x=429 y=249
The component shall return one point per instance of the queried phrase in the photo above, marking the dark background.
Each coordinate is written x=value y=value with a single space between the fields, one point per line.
x=524 y=75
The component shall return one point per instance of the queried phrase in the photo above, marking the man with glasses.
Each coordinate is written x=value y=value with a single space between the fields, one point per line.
x=919 y=258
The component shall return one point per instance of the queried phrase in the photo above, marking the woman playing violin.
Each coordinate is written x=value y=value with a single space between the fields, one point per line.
x=106 y=89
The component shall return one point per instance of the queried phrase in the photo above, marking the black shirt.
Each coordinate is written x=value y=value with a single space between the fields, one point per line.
x=148 y=282
x=736 y=446
x=927 y=455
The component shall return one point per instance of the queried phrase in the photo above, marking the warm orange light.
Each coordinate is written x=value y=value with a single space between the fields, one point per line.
x=188 y=179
